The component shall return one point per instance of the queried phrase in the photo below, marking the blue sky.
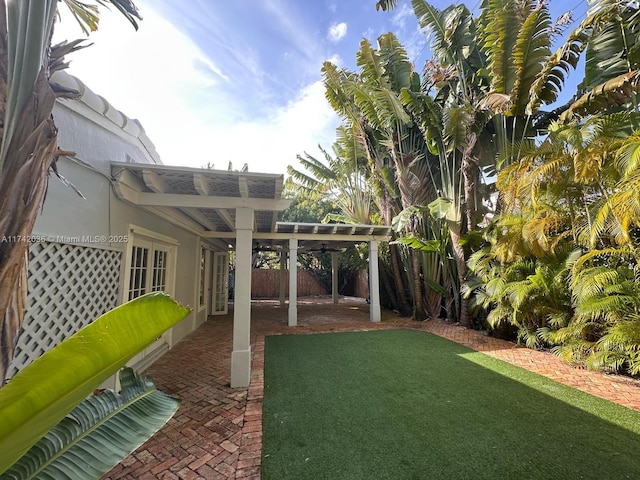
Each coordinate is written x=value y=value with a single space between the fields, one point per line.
x=239 y=81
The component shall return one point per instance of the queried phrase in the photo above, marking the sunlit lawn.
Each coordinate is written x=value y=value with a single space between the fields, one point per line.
x=407 y=404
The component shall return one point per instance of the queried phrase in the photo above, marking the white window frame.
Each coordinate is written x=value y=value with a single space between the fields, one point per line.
x=203 y=278
x=142 y=237
x=220 y=284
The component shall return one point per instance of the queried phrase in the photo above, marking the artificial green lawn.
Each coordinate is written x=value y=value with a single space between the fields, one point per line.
x=410 y=405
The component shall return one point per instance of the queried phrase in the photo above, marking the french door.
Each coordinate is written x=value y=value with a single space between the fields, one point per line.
x=220 y=287
x=150 y=267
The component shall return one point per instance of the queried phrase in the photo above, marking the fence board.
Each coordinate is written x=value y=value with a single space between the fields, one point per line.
x=265 y=283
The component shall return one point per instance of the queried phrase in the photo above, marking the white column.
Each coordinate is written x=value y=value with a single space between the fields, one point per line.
x=283 y=276
x=334 y=277
x=293 y=282
x=374 y=283
x=241 y=355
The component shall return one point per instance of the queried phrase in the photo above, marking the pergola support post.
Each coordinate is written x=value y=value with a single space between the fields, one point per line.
x=293 y=282
x=334 y=277
x=375 y=314
x=283 y=277
x=241 y=355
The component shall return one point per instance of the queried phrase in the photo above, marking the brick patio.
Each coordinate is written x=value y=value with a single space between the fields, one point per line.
x=217 y=432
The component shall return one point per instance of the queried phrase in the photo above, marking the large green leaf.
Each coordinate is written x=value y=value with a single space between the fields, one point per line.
x=398 y=70
x=98 y=433
x=44 y=392
x=440 y=207
x=612 y=50
x=400 y=221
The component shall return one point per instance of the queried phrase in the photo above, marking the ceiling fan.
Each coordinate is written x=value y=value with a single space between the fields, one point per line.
x=325 y=249
x=265 y=248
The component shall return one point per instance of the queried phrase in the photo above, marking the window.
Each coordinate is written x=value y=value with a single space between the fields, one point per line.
x=149 y=266
x=220 y=283
x=159 y=282
x=138 y=271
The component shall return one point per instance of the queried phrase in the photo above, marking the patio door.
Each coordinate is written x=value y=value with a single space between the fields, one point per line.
x=220 y=290
x=150 y=268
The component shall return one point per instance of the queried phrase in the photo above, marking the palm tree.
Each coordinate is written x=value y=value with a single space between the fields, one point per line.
x=369 y=102
x=28 y=144
x=491 y=75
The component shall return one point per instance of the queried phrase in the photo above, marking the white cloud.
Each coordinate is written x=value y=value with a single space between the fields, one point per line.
x=335 y=59
x=368 y=33
x=159 y=76
x=270 y=144
x=337 y=31
x=145 y=74
x=402 y=15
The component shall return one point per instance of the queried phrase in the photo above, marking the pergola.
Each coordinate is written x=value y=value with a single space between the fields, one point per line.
x=232 y=210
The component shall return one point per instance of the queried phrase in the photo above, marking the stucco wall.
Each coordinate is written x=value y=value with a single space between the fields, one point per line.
x=68 y=218
x=186 y=274
x=99 y=134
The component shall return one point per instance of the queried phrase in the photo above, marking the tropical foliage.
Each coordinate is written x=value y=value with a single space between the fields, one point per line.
x=42 y=394
x=513 y=210
x=99 y=432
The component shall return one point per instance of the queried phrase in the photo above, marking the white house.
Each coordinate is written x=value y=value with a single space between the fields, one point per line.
x=141 y=226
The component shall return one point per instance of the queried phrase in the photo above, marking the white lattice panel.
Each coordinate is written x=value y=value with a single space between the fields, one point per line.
x=69 y=287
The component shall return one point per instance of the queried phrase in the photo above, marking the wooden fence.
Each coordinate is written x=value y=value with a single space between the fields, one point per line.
x=265 y=283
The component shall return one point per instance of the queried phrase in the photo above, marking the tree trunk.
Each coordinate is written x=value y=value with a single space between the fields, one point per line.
x=404 y=306
x=419 y=312
x=391 y=294
x=471 y=175
x=461 y=266
x=403 y=300
x=23 y=184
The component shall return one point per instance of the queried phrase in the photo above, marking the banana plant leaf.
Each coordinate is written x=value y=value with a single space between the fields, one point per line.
x=400 y=221
x=44 y=392
x=98 y=433
x=420 y=244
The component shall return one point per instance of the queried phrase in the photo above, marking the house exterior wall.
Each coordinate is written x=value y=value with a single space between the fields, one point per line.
x=186 y=275
x=95 y=227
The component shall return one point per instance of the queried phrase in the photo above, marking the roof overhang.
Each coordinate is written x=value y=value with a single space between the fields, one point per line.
x=201 y=200
x=204 y=202
x=321 y=236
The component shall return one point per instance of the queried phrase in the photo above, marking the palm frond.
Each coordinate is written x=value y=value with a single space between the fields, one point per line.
x=386 y=5
x=554 y=72
x=398 y=70
x=615 y=29
x=335 y=83
x=450 y=30
x=531 y=50
x=499 y=24
x=368 y=59
x=608 y=95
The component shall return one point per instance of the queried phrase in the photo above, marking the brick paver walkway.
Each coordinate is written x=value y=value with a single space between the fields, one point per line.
x=217 y=432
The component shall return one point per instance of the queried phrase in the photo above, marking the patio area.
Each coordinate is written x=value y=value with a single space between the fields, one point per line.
x=217 y=432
